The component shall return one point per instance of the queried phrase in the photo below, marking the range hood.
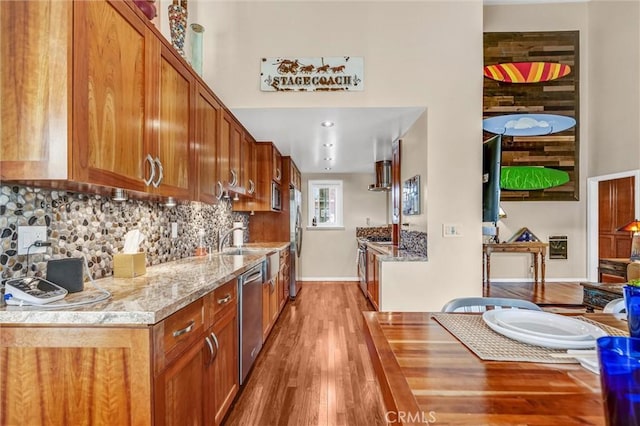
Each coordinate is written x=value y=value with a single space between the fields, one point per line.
x=383 y=176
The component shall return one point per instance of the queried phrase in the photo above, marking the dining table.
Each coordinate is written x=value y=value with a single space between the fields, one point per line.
x=428 y=376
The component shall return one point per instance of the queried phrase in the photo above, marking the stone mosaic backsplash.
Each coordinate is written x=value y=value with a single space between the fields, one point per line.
x=374 y=233
x=94 y=226
x=414 y=241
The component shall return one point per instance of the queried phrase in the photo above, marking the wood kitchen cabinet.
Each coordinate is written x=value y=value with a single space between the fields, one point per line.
x=269 y=306
x=373 y=278
x=207 y=113
x=223 y=385
x=268 y=167
x=249 y=165
x=229 y=152
x=295 y=178
x=116 y=110
x=284 y=277
x=174 y=161
x=182 y=370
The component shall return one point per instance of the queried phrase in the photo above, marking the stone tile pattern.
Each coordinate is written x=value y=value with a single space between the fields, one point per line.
x=374 y=233
x=91 y=225
x=414 y=241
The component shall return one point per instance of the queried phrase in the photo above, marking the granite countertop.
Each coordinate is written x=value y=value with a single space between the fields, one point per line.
x=146 y=299
x=394 y=254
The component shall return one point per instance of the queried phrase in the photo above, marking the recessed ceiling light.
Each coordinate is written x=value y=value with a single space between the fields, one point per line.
x=327 y=168
x=328 y=159
x=327 y=123
x=328 y=145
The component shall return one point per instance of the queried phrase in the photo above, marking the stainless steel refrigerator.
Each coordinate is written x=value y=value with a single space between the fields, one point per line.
x=295 y=224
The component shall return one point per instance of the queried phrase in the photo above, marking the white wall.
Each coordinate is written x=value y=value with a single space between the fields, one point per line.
x=614 y=80
x=424 y=54
x=331 y=254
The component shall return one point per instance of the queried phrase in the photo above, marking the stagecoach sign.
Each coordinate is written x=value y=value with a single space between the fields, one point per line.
x=327 y=74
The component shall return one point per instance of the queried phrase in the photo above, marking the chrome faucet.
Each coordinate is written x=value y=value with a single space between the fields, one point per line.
x=222 y=236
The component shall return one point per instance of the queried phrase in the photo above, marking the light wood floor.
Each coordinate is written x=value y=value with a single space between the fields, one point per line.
x=315 y=368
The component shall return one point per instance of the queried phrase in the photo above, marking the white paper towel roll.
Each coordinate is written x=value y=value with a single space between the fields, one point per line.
x=238 y=234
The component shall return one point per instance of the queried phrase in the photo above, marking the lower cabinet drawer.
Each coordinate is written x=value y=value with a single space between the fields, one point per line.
x=177 y=332
x=220 y=301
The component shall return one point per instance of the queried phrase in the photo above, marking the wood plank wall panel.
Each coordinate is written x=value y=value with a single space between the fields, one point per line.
x=560 y=150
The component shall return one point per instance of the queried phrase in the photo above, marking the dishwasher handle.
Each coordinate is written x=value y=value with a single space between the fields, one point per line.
x=253 y=277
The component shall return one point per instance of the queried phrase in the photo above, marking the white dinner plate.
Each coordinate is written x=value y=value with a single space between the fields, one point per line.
x=543 y=324
x=570 y=326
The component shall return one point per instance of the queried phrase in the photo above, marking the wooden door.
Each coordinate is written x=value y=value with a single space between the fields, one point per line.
x=225 y=363
x=173 y=152
x=180 y=388
x=616 y=205
x=115 y=74
x=206 y=139
x=36 y=105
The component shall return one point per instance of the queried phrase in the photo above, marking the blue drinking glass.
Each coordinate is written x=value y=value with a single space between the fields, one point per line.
x=620 y=379
x=632 y=301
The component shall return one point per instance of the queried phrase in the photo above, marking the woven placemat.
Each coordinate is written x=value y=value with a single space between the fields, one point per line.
x=472 y=331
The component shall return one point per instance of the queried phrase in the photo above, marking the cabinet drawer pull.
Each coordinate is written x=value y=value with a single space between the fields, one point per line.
x=184 y=330
x=278 y=174
x=252 y=186
x=152 y=171
x=224 y=299
x=215 y=340
x=160 y=174
x=206 y=339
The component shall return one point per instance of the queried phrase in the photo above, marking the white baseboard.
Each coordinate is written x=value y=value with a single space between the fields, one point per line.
x=530 y=280
x=328 y=279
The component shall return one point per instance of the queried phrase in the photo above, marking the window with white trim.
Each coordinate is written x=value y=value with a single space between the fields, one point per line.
x=325 y=204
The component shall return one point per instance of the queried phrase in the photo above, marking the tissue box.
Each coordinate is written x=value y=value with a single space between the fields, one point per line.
x=129 y=265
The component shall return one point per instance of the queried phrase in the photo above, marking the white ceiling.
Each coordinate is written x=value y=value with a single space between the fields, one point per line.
x=360 y=136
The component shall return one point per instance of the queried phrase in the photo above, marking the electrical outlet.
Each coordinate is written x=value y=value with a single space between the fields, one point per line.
x=27 y=235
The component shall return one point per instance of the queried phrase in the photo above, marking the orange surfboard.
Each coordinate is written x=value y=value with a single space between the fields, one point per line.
x=526 y=72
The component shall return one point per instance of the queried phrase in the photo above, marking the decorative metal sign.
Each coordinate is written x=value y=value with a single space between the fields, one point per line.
x=327 y=74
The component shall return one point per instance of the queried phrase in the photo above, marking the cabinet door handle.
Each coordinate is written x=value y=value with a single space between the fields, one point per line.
x=252 y=187
x=224 y=300
x=215 y=340
x=220 y=191
x=278 y=174
x=185 y=330
x=160 y=175
x=206 y=339
x=152 y=171
x=234 y=178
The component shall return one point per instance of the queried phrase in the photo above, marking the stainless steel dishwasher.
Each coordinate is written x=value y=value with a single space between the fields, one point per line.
x=250 y=286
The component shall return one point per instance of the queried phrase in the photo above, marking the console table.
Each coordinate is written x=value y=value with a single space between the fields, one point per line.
x=537 y=249
x=597 y=295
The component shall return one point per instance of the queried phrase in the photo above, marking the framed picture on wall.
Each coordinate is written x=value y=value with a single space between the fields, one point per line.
x=411 y=196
